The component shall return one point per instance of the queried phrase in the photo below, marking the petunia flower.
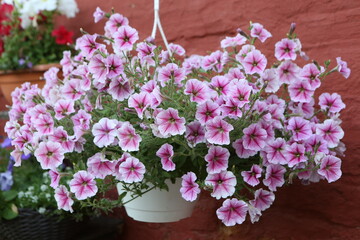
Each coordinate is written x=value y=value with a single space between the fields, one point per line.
x=217 y=159
x=207 y=111
x=171 y=72
x=132 y=170
x=87 y=45
x=331 y=102
x=295 y=154
x=61 y=136
x=140 y=101
x=288 y=72
x=63 y=107
x=252 y=177
x=195 y=133
x=310 y=73
x=120 y=89
x=254 y=62
x=218 y=131
x=99 y=166
x=330 y=131
x=128 y=139
x=44 y=124
x=285 y=49
x=316 y=144
x=49 y=154
x=258 y=31
x=242 y=152
x=343 y=68
x=240 y=92
x=169 y=122
x=98 y=68
x=254 y=137
x=54 y=178
x=115 y=21
x=233 y=41
x=274 y=176
x=215 y=61
x=300 y=91
x=263 y=199
x=189 y=188
x=98 y=14
x=197 y=90
x=223 y=184
x=276 y=151
x=233 y=211
x=83 y=185
x=330 y=168
x=63 y=199
x=104 y=132
x=166 y=153
x=300 y=128
x=125 y=37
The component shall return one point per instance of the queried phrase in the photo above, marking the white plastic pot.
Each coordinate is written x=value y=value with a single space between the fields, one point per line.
x=158 y=206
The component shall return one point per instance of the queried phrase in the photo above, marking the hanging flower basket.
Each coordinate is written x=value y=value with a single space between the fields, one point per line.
x=9 y=80
x=158 y=205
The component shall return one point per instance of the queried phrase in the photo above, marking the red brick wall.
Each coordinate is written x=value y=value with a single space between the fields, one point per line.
x=327 y=29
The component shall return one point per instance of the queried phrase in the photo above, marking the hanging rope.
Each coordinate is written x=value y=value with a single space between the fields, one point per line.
x=157 y=24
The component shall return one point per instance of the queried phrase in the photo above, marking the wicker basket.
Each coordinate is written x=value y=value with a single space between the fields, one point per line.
x=31 y=225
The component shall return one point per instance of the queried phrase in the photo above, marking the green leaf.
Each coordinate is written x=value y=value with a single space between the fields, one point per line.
x=9 y=195
x=10 y=212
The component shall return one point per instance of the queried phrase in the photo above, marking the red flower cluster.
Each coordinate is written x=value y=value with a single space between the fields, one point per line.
x=5 y=11
x=62 y=35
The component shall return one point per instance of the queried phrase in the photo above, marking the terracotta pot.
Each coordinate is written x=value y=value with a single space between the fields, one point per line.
x=9 y=80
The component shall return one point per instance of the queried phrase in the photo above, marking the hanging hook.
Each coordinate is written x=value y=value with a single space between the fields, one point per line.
x=157 y=23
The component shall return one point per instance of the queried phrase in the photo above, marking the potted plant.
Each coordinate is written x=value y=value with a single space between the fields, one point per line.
x=30 y=43
x=231 y=122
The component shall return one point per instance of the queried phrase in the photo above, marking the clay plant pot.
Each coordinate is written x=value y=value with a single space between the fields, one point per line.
x=9 y=80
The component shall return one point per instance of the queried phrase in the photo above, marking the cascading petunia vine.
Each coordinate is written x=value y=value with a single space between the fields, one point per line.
x=230 y=122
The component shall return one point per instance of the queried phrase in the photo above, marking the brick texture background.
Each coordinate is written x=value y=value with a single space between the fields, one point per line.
x=327 y=29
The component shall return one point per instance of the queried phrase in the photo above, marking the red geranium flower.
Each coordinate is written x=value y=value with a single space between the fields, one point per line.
x=62 y=35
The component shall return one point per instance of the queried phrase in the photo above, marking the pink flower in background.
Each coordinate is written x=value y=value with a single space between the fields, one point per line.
x=166 y=154
x=195 y=133
x=274 y=176
x=223 y=184
x=146 y=53
x=128 y=139
x=215 y=61
x=169 y=122
x=263 y=199
x=252 y=177
x=114 y=23
x=300 y=91
x=132 y=170
x=176 y=49
x=330 y=168
x=285 y=49
x=300 y=128
x=171 y=72
x=87 y=45
x=83 y=185
x=140 y=101
x=125 y=37
x=61 y=136
x=295 y=154
x=276 y=151
x=244 y=51
x=49 y=154
x=104 y=132
x=63 y=199
x=330 y=131
x=218 y=131
x=258 y=31
x=233 y=41
x=63 y=107
x=197 y=90
x=311 y=73
x=189 y=188
x=207 y=111
x=98 y=14
x=332 y=103
x=343 y=68
x=254 y=62
x=288 y=72
x=99 y=166
x=54 y=178
x=254 y=137
x=217 y=159
x=232 y=212
x=242 y=152
x=271 y=79
x=81 y=119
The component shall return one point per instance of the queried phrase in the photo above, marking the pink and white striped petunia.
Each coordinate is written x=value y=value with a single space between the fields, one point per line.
x=276 y=151
x=254 y=137
x=99 y=166
x=98 y=68
x=221 y=85
x=171 y=72
x=44 y=124
x=295 y=154
x=120 y=89
x=330 y=168
x=197 y=90
x=115 y=65
x=63 y=107
x=115 y=21
x=72 y=89
x=195 y=133
x=233 y=211
x=140 y=101
x=343 y=68
x=254 y=62
x=316 y=144
x=231 y=109
x=233 y=41
x=49 y=154
x=207 y=111
x=301 y=91
x=217 y=159
x=166 y=153
x=223 y=184
x=132 y=170
x=330 y=131
x=63 y=199
x=125 y=38
x=61 y=136
x=288 y=72
x=300 y=128
x=54 y=178
x=87 y=45
x=242 y=152
x=83 y=185
x=258 y=31
x=285 y=49
x=331 y=103
x=169 y=122
x=252 y=177
x=215 y=61
x=263 y=199
x=128 y=139
x=81 y=119
x=240 y=92
x=271 y=79
x=311 y=73
x=104 y=132
x=274 y=176
x=189 y=188
x=218 y=131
